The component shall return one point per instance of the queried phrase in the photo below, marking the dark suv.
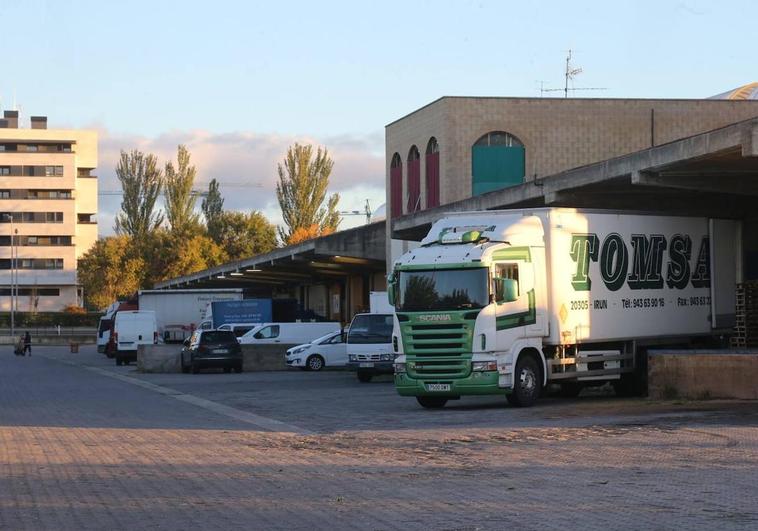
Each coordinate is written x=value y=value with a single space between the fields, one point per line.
x=211 y=348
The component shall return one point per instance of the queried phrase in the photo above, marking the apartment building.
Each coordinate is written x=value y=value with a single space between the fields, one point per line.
x=48 y=205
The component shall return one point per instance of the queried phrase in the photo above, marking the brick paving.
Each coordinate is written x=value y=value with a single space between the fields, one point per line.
x=81 y=450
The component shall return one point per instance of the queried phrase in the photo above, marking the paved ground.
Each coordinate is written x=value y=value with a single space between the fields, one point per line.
x=87 y=445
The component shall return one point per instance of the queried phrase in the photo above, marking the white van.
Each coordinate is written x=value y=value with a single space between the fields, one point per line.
x=131 y=329
x=103 y=333
x=369 y=345
x=287 y=333
x=239 y=329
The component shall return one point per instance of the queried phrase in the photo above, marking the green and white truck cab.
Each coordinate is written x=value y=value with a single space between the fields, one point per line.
x=503 y=302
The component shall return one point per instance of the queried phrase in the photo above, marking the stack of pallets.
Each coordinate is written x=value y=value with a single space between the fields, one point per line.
x=746 y=322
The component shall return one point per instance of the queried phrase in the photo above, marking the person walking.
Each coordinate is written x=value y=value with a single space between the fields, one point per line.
x=27 y=343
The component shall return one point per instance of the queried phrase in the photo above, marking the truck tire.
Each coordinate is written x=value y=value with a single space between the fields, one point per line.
x=527 y=385
x=364 y=376
x=431 y=402
x=119 y=361
x=314 y=363
x=185 y=368
x=627 y=385
x=195 y=368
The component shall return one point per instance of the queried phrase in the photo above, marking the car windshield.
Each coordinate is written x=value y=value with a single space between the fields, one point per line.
x=370 y=328
x=218 y=336
x=443 y=289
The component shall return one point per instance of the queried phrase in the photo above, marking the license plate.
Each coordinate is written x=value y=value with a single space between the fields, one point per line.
x=438 y=387
x=221 y=351
x=366 y=364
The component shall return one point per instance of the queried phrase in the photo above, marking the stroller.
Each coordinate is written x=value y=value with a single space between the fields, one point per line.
x=18 y=348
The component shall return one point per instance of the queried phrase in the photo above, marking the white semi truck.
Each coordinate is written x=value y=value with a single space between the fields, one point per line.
x=506 y=302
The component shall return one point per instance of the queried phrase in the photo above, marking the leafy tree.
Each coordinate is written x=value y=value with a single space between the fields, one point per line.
x=141 y=182
x=244 y=235
x=110 y=270
x=212 y=207
x=171 y=254
x=301 y=191
x=179 y=199
x=302 y=234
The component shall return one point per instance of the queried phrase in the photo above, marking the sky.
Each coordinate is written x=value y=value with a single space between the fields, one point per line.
x=238 y=82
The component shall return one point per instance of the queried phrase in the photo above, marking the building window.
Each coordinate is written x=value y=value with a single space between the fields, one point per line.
x=33 y=263
x=396 y=185
x=53 y=171
x=432 y=173
x=5 y=170
x=414 y=180
x=32 y=148
x=497 y=161
x=5 y=291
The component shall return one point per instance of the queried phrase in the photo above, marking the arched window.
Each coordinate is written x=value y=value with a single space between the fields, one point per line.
x=396 y=185
x=432 y=173
x=497 y=161
x=414 y=180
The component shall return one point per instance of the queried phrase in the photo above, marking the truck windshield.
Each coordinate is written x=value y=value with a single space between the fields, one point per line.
x=370 y=329
x=445 y=289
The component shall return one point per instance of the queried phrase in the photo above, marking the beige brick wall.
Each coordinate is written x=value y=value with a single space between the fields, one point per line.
x=558 y=134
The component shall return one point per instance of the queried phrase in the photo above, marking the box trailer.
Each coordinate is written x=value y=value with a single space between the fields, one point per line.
x=505 y=302
x=179 y=311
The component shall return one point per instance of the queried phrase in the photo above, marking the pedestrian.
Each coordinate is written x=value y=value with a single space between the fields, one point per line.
x=27 y=343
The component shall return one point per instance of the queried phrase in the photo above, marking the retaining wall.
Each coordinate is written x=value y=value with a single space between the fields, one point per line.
x=702 y=374
x=166 y=359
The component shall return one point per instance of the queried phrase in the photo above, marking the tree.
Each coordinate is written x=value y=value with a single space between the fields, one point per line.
x=301 y=191
x=302 y=234
x=212 y=207
x=170 y=254
x=244 y=235
x=179 y=199
x=110 y=270
x=141 y=182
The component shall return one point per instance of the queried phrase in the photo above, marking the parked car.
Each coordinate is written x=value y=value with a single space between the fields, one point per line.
x=239 y=329
x=131 y=329
x=103 y=333
x=211 y=348
x=326 y=351
x=287 y=333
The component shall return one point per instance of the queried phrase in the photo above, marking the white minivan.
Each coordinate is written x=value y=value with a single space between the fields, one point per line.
x=131 y=329
x=239 y=329
x=287 y=333
x=326 y=351
x=369 y=345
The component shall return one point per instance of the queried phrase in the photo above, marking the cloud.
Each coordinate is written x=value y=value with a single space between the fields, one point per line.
x=245 y=165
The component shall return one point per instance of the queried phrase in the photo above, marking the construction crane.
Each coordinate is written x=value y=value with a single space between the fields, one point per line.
x=365 y=212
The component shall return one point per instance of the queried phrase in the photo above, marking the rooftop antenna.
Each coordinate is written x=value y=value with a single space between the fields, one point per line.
x=366 y=212
x=569 y=75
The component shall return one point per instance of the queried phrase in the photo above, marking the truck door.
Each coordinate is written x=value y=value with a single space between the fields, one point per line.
x=521 y=312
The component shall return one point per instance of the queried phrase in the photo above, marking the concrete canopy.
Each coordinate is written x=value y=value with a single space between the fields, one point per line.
x=710 y=174
x=329 y=258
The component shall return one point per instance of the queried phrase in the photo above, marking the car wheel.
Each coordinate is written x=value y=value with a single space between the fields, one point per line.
x=185 y=368
x=238 y=368
x=119 y=361
x=194 y=368
x=315 y=363
x=431 y=402
x=527 y=387
x=364 y=377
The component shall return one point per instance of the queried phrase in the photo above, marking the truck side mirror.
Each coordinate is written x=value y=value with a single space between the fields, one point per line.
x=506 y=290
x=391 y=293
x=186 y=342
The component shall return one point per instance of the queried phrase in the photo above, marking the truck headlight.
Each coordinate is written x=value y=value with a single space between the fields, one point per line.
x=399 y=368
x=386 y=357
x=351 y=357
x=480 y=366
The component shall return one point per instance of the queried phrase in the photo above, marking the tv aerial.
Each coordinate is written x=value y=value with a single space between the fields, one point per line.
x=569 y=75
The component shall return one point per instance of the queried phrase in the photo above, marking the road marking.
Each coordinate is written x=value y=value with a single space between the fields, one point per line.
x=259 y=421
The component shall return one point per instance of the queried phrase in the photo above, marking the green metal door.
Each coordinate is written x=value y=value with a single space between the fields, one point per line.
x=496 y=167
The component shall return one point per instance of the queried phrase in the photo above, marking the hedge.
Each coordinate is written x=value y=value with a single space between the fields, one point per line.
x=41 y=319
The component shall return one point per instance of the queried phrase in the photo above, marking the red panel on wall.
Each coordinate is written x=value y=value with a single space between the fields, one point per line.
x=396 y=190
x=432 y=180
x=414 y=185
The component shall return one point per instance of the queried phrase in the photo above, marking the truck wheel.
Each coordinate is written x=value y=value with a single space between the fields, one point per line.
x=315 y=363
x=194 y=368
x=185 y=368
x=526 y=388
x=119 y=361
x=364 y=377
x=431 y=402
x=628 y=385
